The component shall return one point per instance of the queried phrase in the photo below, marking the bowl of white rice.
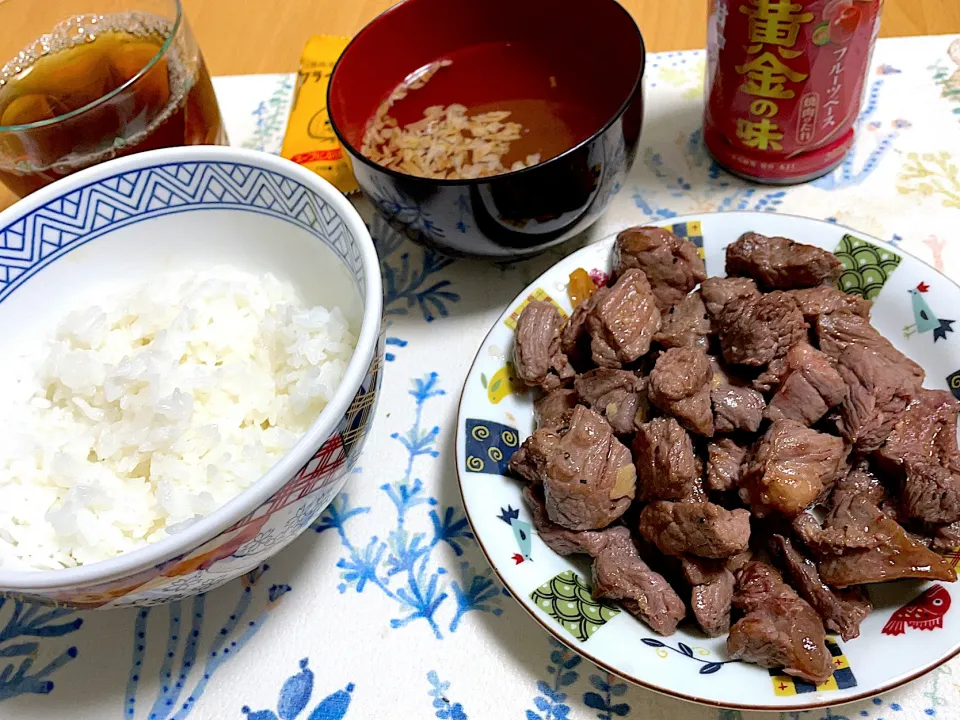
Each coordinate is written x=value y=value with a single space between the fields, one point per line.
x=191 y=345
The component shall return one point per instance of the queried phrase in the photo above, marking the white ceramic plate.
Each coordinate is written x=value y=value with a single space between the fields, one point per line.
x=495 y=417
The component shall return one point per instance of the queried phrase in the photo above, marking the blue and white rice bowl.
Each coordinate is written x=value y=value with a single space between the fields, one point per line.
x=191 y=209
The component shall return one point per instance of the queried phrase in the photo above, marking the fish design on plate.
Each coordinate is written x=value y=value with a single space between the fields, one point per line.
x=922 y=613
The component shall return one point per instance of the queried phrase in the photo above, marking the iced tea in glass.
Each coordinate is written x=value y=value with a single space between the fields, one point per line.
x=80 y=87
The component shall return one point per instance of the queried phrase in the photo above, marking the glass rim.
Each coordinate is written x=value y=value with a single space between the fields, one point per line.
x=113 y=93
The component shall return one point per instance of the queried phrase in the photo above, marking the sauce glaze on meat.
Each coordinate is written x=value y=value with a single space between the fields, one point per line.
x=688 y=423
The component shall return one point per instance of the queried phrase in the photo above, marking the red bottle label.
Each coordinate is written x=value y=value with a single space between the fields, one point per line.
x=784 y=83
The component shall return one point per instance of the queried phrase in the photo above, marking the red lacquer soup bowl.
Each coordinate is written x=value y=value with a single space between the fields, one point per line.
x=570 y=72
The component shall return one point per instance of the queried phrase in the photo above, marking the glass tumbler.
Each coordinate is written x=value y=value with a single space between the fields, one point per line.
x=84 y=81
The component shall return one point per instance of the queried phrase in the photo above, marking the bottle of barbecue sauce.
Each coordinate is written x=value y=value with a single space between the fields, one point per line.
x=785 y=79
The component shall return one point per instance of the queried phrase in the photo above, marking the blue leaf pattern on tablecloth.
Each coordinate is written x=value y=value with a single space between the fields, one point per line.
x=270 y=117
x=295 y=693
x=446 y=709
x=482 y=593
x=552 y=701
x=26 y=625
x=413 y=282
x=409 y=276
x=451 y=529
x=696 y=174
x=729 y=715
x=404 y=567
x=847 y=174
x=295 y=697
x=607 y=688
x=191 y=656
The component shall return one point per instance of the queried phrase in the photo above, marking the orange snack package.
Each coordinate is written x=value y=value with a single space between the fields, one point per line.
x=310 y=140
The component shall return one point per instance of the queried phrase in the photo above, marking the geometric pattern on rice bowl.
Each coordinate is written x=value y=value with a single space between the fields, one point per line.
x=59 y=226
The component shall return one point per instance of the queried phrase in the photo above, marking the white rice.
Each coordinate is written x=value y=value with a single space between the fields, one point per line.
x=157 y=408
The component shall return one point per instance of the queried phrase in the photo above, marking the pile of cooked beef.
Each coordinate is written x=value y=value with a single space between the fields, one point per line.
x=689 y=423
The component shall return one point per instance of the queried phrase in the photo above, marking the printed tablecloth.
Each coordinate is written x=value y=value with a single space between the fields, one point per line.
x=386 y=608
